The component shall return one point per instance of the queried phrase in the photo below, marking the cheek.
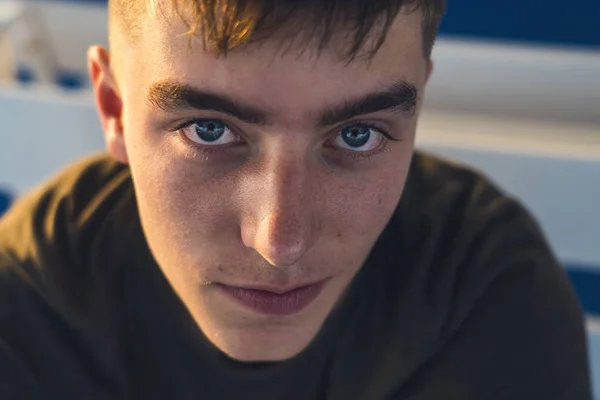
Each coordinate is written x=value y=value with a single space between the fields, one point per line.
x=181 y=208
x=167 y=184
x=195 y=207
x=361 y=210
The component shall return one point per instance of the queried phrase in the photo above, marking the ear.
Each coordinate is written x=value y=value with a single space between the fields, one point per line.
x=108 y=101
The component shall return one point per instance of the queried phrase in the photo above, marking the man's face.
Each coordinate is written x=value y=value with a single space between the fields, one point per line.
x=263 y=170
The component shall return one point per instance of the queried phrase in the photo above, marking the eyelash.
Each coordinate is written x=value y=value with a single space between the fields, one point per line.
x=367 y=155
x=195 y=148
x=354 y=155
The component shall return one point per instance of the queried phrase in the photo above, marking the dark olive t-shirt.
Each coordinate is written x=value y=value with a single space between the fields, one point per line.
x=460 y=298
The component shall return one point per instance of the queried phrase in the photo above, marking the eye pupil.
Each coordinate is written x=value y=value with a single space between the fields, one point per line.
x=356 y=136
x=210 y=130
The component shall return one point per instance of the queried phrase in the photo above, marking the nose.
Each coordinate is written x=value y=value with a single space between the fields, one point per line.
x=282 y=226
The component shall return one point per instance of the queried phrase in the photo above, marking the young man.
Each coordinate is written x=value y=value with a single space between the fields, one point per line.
x=262 y=228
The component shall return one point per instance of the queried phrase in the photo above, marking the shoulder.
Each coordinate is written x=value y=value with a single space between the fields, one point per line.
x=67 y=203
x=449 y=200
x=59 y=286
x=469 y=235
x=483 y=278
x=449 y=188
x=48 y=235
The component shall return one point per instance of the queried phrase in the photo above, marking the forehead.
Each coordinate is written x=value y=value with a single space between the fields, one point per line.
x=261 y=72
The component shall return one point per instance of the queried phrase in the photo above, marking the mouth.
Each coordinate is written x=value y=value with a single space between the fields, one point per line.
x=274 y=300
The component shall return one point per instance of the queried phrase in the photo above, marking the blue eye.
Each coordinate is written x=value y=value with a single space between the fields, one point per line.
x=356 y=136
x=209 y=132
x=359 y=137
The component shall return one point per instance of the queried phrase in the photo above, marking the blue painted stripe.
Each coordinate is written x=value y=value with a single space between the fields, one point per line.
x=586 y=281
x=543 y=21
x=5 y=201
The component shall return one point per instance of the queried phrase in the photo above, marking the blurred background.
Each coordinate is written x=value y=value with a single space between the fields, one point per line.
x=515 y=93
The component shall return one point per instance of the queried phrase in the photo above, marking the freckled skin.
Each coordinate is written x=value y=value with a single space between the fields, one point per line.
x=281 y=209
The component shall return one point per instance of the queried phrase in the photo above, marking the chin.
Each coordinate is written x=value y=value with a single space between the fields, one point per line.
x=263 y=355
x=267 y=345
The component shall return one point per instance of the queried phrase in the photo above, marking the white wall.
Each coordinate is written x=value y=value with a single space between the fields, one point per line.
x=518 y=81
x=41 y=130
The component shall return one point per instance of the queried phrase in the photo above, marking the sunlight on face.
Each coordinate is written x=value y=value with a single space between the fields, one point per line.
x=267 y=171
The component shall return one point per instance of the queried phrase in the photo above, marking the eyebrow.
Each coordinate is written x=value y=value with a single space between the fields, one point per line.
x=170 y=96
x=400 y=97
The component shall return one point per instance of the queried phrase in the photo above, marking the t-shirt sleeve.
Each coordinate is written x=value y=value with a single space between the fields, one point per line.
x=518 y=331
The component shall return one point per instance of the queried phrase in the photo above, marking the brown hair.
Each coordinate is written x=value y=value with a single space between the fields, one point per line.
x=226 y=24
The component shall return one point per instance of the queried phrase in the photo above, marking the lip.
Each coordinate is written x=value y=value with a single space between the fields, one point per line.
x=274 y=301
